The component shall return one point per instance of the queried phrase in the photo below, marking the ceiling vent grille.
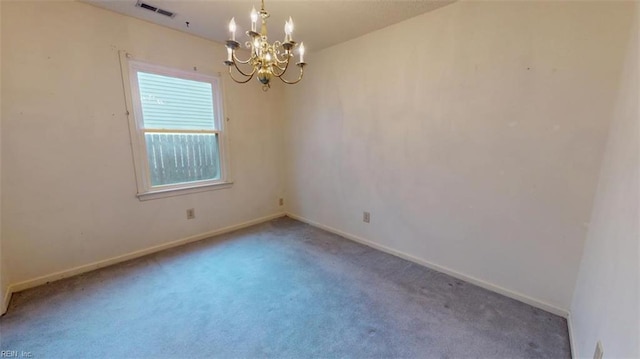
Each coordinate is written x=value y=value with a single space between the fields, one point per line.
x=155 y=9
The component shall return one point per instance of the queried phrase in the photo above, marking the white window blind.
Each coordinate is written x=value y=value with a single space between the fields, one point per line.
x=175 y=103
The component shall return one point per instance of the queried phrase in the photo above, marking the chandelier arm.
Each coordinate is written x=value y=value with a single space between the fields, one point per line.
x=276 y=73
x=286 y=58
x=296 y=81
x=282 y=69
x=236 y=59
x=242 y=72
x=276 y=45
x=241 y=81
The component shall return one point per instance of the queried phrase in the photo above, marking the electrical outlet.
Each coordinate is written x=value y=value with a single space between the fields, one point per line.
x=366 y=217
x=599 y=351
x=191 y=213
x=281 y=201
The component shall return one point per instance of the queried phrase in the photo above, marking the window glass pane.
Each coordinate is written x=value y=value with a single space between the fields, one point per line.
x=179 y=157
x=175 y=103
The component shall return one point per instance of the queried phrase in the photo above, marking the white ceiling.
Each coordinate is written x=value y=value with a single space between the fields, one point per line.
x=319 y=24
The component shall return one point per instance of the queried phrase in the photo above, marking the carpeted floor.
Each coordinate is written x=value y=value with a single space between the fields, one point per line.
x=281 y=289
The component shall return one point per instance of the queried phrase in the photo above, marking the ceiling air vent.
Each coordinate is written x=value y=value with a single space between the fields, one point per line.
x=155 y=9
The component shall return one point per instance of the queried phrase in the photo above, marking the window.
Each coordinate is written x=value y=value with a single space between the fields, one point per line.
x=178 y=129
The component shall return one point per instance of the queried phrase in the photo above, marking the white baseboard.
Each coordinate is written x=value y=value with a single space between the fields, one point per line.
x=467 y=278
x=17 y=287
x=572 y=339
x=5 y=301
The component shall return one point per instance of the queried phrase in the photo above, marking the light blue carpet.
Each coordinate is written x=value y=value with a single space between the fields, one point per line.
x=281 y=289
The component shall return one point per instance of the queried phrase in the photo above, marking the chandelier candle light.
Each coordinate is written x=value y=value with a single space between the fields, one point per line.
x=266 y=60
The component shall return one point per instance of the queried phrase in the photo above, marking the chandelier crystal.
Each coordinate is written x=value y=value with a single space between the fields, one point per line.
x=267 y=61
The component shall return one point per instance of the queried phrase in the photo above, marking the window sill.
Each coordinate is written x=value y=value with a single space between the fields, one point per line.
x=156 y=194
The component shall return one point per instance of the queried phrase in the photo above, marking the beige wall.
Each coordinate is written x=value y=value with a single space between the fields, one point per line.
x=3 y=277
x=606 y=303
x=68 y=181
x=473 y=134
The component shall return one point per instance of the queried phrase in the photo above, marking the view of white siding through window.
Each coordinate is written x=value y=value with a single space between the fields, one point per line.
x=180 y=129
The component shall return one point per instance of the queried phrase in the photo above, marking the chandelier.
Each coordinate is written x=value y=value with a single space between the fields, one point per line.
x=267 y=60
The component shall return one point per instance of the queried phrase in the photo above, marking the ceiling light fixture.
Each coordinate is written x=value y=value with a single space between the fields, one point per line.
x=266 y=60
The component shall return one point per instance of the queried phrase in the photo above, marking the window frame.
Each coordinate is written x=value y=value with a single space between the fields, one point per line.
x=137 y=130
